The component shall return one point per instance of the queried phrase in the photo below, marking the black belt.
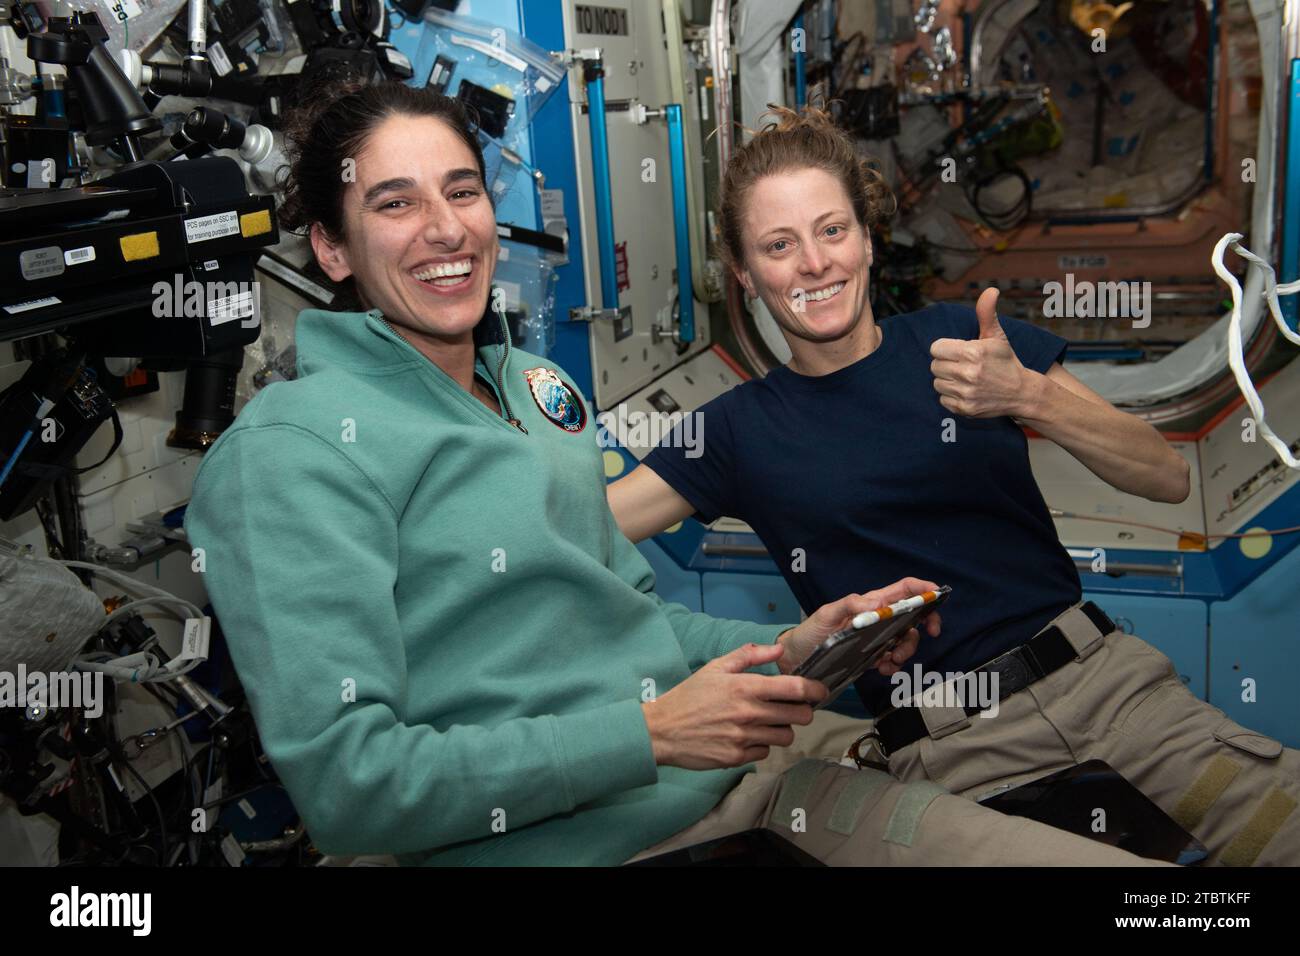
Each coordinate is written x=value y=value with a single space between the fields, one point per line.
x=1045 y=652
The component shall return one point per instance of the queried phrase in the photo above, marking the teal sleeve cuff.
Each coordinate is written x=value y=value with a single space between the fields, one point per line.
x=758 y=634
x=605 y=750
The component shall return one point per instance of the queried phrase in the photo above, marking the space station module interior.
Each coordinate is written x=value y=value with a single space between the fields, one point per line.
x=148 y=291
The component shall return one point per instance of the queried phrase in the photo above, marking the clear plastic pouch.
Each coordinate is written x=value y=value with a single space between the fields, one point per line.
x=525 y=276
x=130 y=24
x=504 y=77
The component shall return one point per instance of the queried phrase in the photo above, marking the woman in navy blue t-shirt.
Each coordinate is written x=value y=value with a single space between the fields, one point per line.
x=897 y=447
x=886 y=447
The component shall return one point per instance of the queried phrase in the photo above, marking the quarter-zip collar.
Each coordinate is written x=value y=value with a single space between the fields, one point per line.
x=366 y=340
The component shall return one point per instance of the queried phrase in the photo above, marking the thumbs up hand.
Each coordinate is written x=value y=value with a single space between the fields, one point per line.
x=981 y=378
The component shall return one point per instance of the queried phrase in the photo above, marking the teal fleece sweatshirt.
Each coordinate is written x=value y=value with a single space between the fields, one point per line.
x=443 y=634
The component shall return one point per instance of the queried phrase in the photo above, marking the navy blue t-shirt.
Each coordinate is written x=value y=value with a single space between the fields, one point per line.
x=854 y=469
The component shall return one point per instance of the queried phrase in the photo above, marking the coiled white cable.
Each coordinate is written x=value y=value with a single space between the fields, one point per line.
x=142 y=667
x=1236 y=358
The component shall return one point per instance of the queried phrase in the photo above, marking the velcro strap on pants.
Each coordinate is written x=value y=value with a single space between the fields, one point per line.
x=861 y=786
x=1083 y=633
x=1262 y=827
x=796 y=783
x=941 y=720
x=905 y=820
x=1202 y=794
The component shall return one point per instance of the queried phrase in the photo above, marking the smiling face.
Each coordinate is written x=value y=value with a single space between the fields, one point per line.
x=807 y=257
x=419 y=232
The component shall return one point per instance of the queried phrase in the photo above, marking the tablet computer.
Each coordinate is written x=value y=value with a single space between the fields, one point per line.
x=1069 y=800
x=849 y=653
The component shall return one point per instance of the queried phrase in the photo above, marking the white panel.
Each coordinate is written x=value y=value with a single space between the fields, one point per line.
x=107 y=511
x=691 y=384
x=1243 y=477
x=694 y=383
x=1069 y=486
x=622 y=82
x=146 y=422
x=636 y=70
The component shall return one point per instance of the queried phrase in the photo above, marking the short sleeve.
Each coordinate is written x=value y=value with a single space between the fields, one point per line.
x=698 y=461
x=1037 y=348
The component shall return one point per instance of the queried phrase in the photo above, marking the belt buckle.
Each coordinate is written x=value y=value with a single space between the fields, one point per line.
x=864 y=762
x=1015 y=669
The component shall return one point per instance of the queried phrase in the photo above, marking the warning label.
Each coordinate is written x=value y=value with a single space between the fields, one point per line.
x=620 y=266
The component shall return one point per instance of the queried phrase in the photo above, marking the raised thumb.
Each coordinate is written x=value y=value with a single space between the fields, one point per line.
x=986 y=309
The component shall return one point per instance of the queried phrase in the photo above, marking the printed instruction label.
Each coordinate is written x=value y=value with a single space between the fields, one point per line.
x=552 y=204
x=41 y=263
x=212 y=227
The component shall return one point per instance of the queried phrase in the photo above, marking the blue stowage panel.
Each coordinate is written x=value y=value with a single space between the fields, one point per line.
x=1255 y=636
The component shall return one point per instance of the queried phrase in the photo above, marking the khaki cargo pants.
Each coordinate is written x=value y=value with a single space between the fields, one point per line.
x=850 y=817
x=1122 y=702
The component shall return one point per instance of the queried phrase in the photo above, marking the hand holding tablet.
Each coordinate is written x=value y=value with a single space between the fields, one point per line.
x=849 y=653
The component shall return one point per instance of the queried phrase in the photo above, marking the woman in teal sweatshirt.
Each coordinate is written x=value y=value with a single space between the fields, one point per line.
x=451 y=651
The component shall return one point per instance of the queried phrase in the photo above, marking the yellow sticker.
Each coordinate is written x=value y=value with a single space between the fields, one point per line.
x=141 y=245
x=255 y=223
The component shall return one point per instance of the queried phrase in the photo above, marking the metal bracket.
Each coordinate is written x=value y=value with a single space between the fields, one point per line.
x=569 y=57
x=620 y=317
x=641 y=114
x=151 y=539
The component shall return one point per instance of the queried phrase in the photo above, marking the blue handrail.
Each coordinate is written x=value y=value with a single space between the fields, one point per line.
x=800 y=76
x=594 y=77
x=681 y=223
x=1290 y=265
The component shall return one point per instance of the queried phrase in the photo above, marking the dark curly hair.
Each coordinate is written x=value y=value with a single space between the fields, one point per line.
x=799 y=140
